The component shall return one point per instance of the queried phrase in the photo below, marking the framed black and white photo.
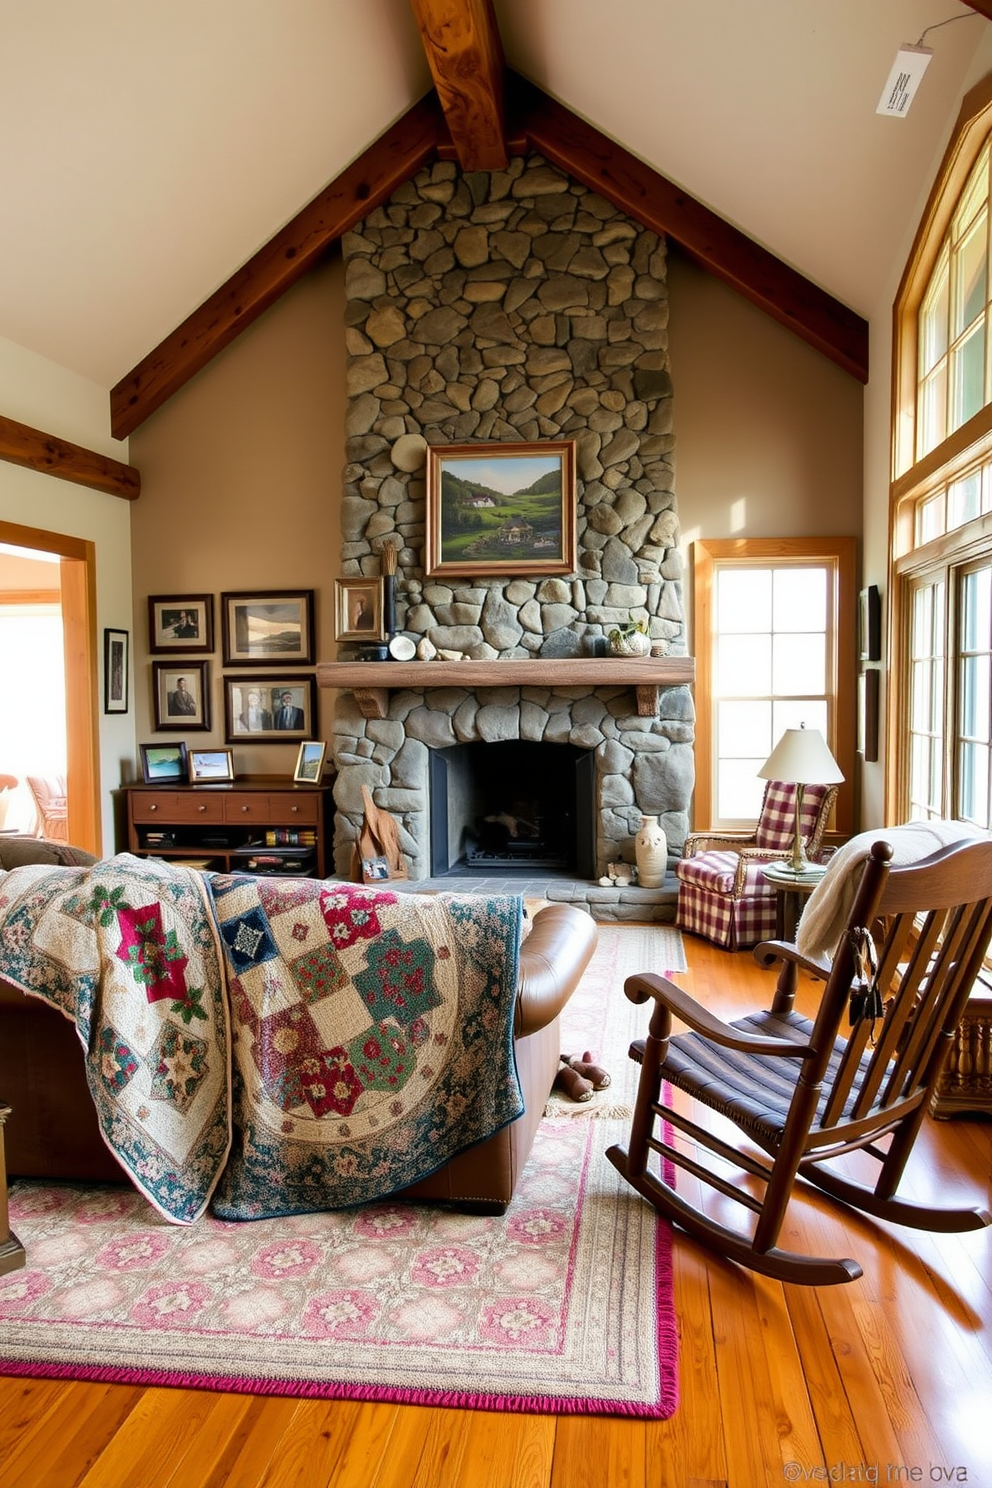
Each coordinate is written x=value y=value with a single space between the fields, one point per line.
x=870 y=624
x=116 y=649
x=181 y=694
x=270 y=710
x=272 y=627
x=181 y=623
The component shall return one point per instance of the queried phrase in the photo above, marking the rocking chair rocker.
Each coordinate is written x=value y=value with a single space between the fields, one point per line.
x=806 y=1092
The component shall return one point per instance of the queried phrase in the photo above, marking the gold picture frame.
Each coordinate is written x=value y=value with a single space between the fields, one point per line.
x=358 y=610
x=501 y=509
x=310 y=762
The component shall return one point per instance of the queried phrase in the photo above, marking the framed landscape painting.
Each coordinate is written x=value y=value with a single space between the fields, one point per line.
x=270 y=626
x=501 y=509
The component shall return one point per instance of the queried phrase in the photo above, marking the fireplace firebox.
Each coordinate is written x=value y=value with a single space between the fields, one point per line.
x=512 y=807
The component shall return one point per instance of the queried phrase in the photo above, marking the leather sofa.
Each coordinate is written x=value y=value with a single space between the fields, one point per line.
x=52 y=1131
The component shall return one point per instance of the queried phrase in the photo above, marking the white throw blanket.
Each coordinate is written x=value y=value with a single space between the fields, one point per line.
x=829 y=905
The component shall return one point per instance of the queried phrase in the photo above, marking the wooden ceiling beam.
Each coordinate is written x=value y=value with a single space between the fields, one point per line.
x=796 y=302
x=371 y=179
x=36 y=450
x=465 y=53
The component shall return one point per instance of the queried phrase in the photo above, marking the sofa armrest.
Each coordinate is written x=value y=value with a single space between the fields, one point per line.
x=552 y=959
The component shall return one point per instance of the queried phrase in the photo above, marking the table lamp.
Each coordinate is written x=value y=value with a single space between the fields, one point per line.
x=800 y=758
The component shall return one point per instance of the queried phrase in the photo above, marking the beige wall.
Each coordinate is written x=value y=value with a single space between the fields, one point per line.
x=241 y=478
x=768 y=433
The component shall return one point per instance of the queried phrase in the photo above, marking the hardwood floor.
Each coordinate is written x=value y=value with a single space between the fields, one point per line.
x=886 y=1380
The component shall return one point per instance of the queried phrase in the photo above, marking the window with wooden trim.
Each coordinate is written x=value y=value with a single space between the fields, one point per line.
x=940 y=752
x=774 y=645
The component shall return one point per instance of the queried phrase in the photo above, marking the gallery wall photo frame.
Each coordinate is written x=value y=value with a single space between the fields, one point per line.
x=271 y=709
x=164 y=764
x=359 y=612
x=181 y=694
x=870 y=624
x=116 y=665
x=181 y=623
x=496 y=508
x=272 y=627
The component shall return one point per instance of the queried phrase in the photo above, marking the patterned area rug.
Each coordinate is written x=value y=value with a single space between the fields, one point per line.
x=564 y=1304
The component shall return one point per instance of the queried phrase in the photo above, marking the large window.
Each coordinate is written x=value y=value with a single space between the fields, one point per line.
x=774 y=649
x=940 y=758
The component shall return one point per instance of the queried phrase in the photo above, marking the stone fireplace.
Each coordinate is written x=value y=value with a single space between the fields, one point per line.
x=513 y=306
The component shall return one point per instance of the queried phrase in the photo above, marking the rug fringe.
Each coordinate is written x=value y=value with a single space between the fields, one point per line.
x=591 y=1110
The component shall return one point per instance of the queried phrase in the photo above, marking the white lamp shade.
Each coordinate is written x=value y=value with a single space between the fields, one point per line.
x=801 y=757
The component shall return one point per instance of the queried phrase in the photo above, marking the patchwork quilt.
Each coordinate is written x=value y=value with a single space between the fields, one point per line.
x=273 y=1046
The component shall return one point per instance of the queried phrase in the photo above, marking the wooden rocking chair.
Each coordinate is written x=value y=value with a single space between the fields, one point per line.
x=806 y=1092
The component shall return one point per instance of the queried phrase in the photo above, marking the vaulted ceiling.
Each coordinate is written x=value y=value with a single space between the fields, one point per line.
x=159 y=159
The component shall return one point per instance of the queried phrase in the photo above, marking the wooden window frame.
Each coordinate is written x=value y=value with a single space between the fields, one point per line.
x=841 y=554
x=911 y=480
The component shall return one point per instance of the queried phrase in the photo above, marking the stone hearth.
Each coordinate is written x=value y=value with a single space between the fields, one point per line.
x=513 y=306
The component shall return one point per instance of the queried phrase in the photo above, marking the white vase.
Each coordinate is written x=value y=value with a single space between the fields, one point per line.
x=651 y=853
x=634 y=644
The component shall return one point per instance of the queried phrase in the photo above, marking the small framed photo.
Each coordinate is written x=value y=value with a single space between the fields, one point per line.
x=358 y=610
x=270 y=710
x=116 y=646
x=501 y=509
x=163 y=764
x=181 y=622
x=268 y=627
x=208 y=766
x=181 y=695
x=309 y=762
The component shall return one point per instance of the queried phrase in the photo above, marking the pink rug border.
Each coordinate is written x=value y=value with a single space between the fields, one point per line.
x=666 y=1341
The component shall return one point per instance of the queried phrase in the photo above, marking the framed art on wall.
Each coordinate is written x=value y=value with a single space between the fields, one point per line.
x=181 y=694
x=270 y=710
x=181 y=622
x=870 y=624
x=358 y=610
x=501 y=509
x=268 y=627
x=116 y=646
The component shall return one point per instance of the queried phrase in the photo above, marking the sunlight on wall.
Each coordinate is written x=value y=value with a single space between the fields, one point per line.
x=32 y=700
x=738 y=516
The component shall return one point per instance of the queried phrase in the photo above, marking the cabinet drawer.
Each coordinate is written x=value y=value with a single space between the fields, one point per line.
x=246 y=806
x=293 y=808
x=173 y=806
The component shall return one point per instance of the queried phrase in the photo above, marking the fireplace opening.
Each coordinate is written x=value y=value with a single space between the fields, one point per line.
x=512 y=807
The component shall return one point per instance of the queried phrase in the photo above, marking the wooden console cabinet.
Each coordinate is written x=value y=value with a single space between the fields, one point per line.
x=226 y=826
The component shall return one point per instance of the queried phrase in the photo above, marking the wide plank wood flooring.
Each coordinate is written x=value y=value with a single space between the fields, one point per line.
x=886 y=1380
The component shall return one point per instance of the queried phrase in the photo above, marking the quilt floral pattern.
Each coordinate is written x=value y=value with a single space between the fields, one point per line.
x=272 y=1047
x=128 y=951
x=372 y=1037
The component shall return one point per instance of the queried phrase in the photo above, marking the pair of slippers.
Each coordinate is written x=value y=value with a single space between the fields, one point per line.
x=579 y=1078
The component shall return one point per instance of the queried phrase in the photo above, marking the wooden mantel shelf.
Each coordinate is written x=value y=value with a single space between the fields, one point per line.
x=372 y=681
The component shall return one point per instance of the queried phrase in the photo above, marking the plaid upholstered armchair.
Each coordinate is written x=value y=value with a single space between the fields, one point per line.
x=722 y=894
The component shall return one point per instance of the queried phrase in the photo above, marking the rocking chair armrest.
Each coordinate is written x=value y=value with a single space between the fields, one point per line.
x=767 y=952
x=700 y=1020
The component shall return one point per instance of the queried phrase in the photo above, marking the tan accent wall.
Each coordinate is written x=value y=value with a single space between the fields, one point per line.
x=769 y=434
x=241 y=486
